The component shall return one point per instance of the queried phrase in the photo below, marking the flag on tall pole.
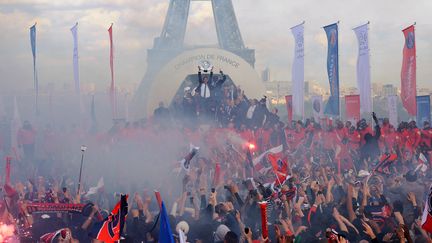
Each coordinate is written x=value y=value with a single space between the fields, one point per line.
x=298 y=70
x=408 y=72
x=392 y=109
x=317 y=107
x=112 y=86
x=35 y=77
x=332 y=107
x=74 y=31
x=363 y=68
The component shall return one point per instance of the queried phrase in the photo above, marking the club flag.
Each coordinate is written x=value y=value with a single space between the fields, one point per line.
x=408 y=72
x=317 y=107
x=423 y=109
x=74 y=31
x=112 y=86
x=363 y=68
x=165 y=233
x=298 y=70
x=392 y=109
x=259 y=162
x=427 y=213
x=332 y=107
x=352 y=107
x=110 y=229
x=185 y=162
x=289 y=104
x=280 y=165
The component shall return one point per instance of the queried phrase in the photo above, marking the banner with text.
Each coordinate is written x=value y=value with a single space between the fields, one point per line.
x=352 y=108
x=298 y=70
x=363 y=68
x=332 y=107
x=408 y=73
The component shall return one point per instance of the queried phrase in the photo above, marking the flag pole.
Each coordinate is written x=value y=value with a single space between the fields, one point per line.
x=83 y=149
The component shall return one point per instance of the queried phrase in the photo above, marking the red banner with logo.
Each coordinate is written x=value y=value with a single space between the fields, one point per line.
x=352 y=107
x=408 y=73
x=288 y=100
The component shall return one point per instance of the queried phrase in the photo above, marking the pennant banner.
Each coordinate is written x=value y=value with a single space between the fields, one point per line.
x=408 y=73
x=423 y=109
x=392 y=109
x=74 y=31
x=352 y=108
x=33 y=48
x=112 y=86
x=332 y=107
x=363 y=68
x=317 y=107
x=288 y=100
x=298 y=70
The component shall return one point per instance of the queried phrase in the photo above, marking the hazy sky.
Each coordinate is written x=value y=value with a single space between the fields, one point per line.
x=264 y=25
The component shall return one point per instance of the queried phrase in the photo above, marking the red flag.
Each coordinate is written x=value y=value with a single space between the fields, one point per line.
x=352 y=107
x=427 y=213
x=110 y=230
x=408 y=73
x=288 y=100
x=112 y=86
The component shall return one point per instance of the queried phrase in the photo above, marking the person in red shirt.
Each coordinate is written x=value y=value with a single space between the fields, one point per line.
x=426 y=137
x=391 y=140
x=26 y=138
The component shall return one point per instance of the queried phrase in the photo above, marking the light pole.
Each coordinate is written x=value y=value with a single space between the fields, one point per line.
x=83 y=149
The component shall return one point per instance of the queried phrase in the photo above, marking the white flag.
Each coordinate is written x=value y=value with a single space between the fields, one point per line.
x=298 y=70
x=317 y=107
x=74 y=31
x=392 y=109
x=363 y=68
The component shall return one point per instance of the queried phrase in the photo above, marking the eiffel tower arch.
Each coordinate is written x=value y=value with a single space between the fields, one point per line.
x=169 y=61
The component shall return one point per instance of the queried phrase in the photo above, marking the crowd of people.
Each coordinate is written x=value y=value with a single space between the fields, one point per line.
x=320 y=181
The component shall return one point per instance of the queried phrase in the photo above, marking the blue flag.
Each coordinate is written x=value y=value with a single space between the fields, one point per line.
x=423 y=109
x=165 y=233
x=332 y=107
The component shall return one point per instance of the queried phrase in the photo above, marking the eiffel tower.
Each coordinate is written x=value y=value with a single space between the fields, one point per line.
x=171 y=41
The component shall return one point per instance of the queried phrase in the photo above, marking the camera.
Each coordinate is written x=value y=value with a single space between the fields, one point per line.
x=83 y=148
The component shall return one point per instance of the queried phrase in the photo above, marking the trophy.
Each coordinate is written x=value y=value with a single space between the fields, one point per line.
x=205 y=66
